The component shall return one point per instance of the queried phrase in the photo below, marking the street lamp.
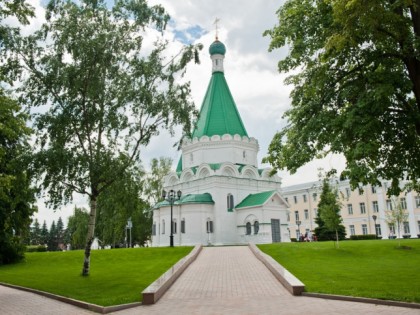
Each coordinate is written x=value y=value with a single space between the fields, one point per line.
x=374 y=217
x=129 y=226
x=298 y=224
x=171 y=197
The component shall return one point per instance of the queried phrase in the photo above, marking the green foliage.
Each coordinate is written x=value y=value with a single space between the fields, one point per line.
x=35 y=233
x=357 y=88
x=77 y=228
x=16 y=194
x=397 y=216
x=104 y=96
x=119 y=276
x=154 y=182
x=119 y=203
x=44 y=235
x=36 y=248
x=363 y=237
x=328 y=217
x=373 y=269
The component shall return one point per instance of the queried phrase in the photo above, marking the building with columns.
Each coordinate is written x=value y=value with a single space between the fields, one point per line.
x=226 y=198
x=363 y=212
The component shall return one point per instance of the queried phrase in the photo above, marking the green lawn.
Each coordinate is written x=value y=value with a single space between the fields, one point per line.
x=374 y=269
x=117 y=276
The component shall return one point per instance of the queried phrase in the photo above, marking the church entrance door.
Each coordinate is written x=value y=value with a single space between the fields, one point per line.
x=275 y=230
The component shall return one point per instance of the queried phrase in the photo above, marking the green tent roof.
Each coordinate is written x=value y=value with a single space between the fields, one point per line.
x=218 y=114
x=253 y=200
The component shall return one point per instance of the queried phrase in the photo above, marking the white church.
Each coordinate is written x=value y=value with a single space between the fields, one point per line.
x=220 y=195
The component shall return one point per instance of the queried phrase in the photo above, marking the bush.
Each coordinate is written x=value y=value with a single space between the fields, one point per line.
x=11 y=250
x=293 y=239
x=36 y=248
x=363 y=237
x=406 y=236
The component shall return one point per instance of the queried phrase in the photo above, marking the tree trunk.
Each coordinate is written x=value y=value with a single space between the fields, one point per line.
x=90 y=236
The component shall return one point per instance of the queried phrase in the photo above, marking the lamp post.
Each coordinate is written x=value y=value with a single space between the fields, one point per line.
x=171 y=197
x=298 y=224
x=374 y=217
x=129 y=226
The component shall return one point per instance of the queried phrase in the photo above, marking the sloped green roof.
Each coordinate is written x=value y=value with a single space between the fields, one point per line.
x=253 y=200
x=218 y=114
x=179 y=166
x=189 y=198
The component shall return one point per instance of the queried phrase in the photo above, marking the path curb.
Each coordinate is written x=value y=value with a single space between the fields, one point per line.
x=288 y=280
x=361 y=300
x=158 y=288
x=81 y=304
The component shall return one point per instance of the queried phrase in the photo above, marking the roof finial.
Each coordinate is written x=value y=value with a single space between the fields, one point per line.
x=216 y=21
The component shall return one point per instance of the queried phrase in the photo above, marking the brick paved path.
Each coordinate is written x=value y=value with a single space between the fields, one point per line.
x=223 y=280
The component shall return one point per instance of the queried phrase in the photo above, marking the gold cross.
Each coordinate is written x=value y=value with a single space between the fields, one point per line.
x=216 y=21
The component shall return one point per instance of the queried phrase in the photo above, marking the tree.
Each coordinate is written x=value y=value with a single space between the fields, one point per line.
x=357 y=88
x=119 y=203
x=35 y=233
x=328 y=217
x=154 y=181
x=44 y=234
x=17 y=197
x=397 y=216
x=60 y=232
x=52 y=243
x=107 y=98
x=77 y=228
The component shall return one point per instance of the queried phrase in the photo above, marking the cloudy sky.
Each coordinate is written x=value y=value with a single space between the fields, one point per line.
x=250 y=70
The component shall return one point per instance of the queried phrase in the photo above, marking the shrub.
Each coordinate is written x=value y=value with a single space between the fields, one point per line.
x=363 y=237
x=36 y=248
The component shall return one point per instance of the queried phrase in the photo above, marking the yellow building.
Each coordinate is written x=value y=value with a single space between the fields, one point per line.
x=363 y=212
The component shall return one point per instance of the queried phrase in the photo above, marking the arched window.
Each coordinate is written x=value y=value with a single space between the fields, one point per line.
x=256 y=227
x=248 y=228
x=209 y=226
x=230 y=202
x=163 y=226
x=183 y=225
x=174 y=226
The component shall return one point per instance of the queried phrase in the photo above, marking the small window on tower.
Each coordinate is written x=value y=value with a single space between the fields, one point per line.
x=244 y=154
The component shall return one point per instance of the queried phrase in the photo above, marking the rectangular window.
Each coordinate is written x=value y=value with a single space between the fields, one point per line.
x=348 y=192
x=389 y=205
x=350 y=208
x=154 y=229
x=288 y=217
x=182 y=226
x=315 y=212
x=163 y=226
x=296 y=215
x=373 y=189
x=304 y=198
x=418 y=225
x=403 y=203
x=378 y=229
x=375 y=206
x=174 y=227
x=306 y=214
x=392 y=229
x=406 y=228
x=295 y=198
x=352 y=230
x=314 y=195
x=209 y=226
x=417 y=201
x=298 y=234
x=364 y=229
x=287 y=199
x=362 y=208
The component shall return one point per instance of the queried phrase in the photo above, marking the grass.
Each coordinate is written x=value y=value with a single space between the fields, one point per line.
x=117 y=276
x=374 y=269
